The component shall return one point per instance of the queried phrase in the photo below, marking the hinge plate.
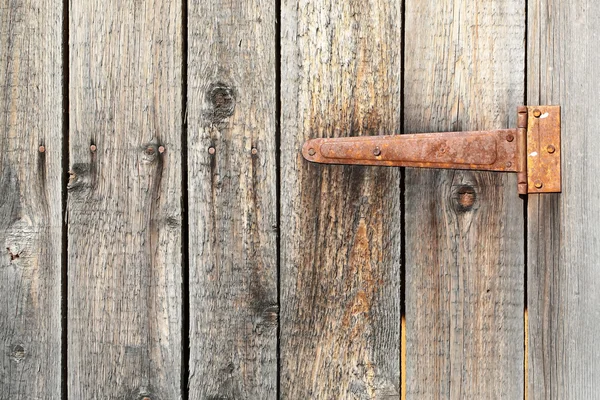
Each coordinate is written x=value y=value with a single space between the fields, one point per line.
x=543 y=149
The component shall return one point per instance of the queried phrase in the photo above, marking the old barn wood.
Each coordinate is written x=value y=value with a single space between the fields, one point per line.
x=163 y=237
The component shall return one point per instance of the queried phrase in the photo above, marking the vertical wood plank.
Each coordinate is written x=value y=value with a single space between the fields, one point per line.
x=563 y=234
x=464 y=230
x=30 y=199
x=341 y=226
x=232 y=200
x=124 y=212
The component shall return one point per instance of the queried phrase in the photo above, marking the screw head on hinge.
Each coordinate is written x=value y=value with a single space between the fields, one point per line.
x=538 y=184
x=551 y=149
x=537 y=113
x=377 y=151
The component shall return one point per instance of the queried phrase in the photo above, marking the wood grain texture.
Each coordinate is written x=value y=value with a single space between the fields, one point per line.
x=124 y=212
x=30 y=199
x=341 y=226
x=464 y=230
x=563 y=229
x=232 y=200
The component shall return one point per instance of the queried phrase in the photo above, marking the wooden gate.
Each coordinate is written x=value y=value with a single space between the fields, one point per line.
x=163 y=238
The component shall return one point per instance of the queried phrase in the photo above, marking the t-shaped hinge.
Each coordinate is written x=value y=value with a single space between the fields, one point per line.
x=532 y=150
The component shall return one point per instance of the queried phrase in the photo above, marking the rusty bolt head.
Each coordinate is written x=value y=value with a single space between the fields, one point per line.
x=537 y=113
x=508 y=164
x=538 y=184
x=161 y=149
x=551 y=149
x=254 y=151
x=376 y=151
x=510 y=137
x=42 y=149
x=211 y=150
x=93 y=148
x=311 y=152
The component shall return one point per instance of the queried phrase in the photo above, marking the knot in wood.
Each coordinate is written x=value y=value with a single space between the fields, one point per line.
x=17 y=353
x=465 y=198
x=222 y=97
x=79 y=176
x=151 y=152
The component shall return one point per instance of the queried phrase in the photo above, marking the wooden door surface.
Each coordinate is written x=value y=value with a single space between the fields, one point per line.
x=162 y=236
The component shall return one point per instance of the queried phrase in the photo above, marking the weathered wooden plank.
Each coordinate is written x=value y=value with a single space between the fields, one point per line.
x=124 y=213
x=232 y=200
x=30 y=198
x=341 y=226
x=563 y=229
x=464 y=230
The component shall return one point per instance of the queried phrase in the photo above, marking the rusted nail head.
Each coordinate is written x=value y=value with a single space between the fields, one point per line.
x=537 y=113
x=93 y=148
x=311 y=152
x=161 y=149
x=376 y=151
x=538 y=184
x=254 y=151
x=42 y=149
x=510 y=137
x=551 y=149
x=211 y=150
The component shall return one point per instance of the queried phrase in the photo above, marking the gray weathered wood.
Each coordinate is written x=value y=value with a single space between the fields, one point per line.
x=124 y=213
x=564 y=229
x=232 y=200
x=30 y=199
x=464 y=230
x=340 y=236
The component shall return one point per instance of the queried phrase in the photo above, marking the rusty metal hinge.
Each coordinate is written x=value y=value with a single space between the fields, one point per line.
x=532 y=150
